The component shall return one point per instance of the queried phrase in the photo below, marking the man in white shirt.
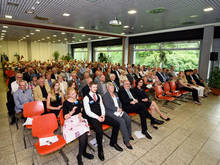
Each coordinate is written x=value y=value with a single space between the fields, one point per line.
x=15 y=84
x=95 y=111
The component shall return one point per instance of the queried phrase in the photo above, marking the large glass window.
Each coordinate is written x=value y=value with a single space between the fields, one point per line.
x=182 y=55
x=112 y=53
x=80 y=54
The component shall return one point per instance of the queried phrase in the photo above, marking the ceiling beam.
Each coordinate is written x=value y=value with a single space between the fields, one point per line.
x=57 y=28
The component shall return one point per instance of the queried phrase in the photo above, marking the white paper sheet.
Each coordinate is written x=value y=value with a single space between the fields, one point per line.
x=119 y=114
x=94 y=143
x=139 y=135
x=48 y=140
x=28 y=121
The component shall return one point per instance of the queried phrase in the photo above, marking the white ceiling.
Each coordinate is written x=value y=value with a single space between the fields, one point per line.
x=96 y=14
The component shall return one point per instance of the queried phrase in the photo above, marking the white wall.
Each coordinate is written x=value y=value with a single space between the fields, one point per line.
x=39 y=50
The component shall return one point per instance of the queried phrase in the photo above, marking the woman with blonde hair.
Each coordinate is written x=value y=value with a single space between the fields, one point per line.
x=75 y=126
x=55 y=99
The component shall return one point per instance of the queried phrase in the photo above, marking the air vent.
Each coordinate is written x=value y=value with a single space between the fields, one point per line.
x=41 y=18
x=13 y=4
x=188 y=23
x=156 y=11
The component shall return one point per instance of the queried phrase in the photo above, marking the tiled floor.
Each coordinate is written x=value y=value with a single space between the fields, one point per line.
x=191 y=137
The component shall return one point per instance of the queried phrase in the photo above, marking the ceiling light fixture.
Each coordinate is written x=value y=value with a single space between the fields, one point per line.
x=37 y=2
x=37 y=30
x=208 y=9
x=48 y=37
x=5 y=27
x=83 y=35
x=132 y=12
x=126 y=26
x=82 y=27
x=63 y=33
x=66 y=14
x=73 y=37
x=27 y=36
x=8 y=16
x=122 y=33
x=54 y=35
x=115 y=22
x=65 y=39
x=100 y=37
x=31 y=33
x=29 y=11
x=4 y=31
x=58 y=40
x=193 y=16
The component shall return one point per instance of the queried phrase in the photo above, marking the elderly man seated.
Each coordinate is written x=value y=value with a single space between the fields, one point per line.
x=22 y=96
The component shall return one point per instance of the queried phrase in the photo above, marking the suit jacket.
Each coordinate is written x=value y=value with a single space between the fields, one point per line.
x=85 y=90
x=124 y=98
x=189 y=79
x=161 y=77
x=116 y=75
x=110 y=107
x=197 y=78
x=38 y=96
x=130 y=78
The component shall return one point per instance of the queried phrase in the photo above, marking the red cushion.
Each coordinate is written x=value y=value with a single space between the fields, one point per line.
x=167 y=98
x=105 y=127
x=43 y=150
x=132 y=114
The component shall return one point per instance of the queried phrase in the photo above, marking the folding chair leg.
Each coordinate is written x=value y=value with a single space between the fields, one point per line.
x=16 y=122
x=175 y=102
x=106 y=135
x=25 y=145
x=91 y=148
x=165 y=104
x=33 y=155
x=64 y=156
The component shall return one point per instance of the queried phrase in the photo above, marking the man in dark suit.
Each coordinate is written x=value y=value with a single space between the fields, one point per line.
x=116 y=72
x=115 y=83
x=131 y=105
x=130 y=76
x=160 y=75
x=85 y=89
x=197 y=78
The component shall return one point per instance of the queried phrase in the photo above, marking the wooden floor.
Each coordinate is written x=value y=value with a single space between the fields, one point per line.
x=191 y=137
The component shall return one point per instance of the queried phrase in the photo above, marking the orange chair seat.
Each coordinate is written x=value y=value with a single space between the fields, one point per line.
x=166 y=98
x=147 y=90
x=43 y=150
x=184 y=92
x=173 y=94
x=105 y=127
x=132 y=114
x=28 y=126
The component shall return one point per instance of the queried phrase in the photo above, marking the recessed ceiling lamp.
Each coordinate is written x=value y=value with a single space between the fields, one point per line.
x=37 y=30
x=37 y=2
x=115 y=22
x=132 y=12
x=24 y=37
x=100 y=37
x=73 y=37
x=66 y=14
x=122 y=33
x=42 y=39
x=65 y=39
x=82 y=27
x=193 y=16
x=63 y=33
x=80 y=40
x=54 y=35
x=89 y=38
x=5 y=27
x=38 y=40
x=27 y=36
x=8 y=16
x=3 y=34
x=29 y=11
x=48 y=37
x=31 y=33
x=83 y=35
x=58 y=40
x=126 y=26
x=4 y=31
x=208 y=9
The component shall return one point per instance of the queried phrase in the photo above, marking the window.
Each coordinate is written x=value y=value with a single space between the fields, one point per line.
x=182 y=55
x=113 y=53
x=80 y=54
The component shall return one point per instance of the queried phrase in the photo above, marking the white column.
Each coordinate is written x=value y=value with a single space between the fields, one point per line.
x=89 y=55
x=125 y=49
x=206 y=48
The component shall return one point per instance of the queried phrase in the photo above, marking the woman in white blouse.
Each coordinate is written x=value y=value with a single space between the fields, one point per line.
x=122 y=77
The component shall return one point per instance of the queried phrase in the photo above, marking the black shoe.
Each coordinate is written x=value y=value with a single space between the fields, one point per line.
x=117 y=147
x=154 y=126
x=147 y=135
x=156 y=121
x=88 y=156
x=79 y=160
x=167 y=119
x=131 y=138
x=101 y=156
x=129 y=146
x=12 y=122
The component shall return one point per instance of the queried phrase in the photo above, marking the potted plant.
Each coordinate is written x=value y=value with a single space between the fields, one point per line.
x=17 y=56
x=56 y=55
x=214 y=81
x=103 y=58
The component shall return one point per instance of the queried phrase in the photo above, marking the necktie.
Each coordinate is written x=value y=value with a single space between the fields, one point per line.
x=116 y=87
x=130 y=95
x=94 y=97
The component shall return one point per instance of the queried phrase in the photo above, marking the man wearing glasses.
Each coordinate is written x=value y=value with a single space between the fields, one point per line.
x=15 y=84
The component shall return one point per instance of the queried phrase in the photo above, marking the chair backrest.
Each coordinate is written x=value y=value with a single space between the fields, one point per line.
x=166 y=87
x=158 y=90
x=44 y=125
x=173 y=85
x=61 y=117
x=34 y=108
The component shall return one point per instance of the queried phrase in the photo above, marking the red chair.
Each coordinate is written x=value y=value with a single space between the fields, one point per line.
x=31 y=110
x=167 y=90
x=134 y=121
x=159 y=95
x=173 y=88
x=44 y=126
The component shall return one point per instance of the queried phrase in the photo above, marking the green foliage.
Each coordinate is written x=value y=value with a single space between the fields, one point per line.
x=17 y=56
x=67 y=57
x=102 y=58
x=214 y=79
x=56 y=55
